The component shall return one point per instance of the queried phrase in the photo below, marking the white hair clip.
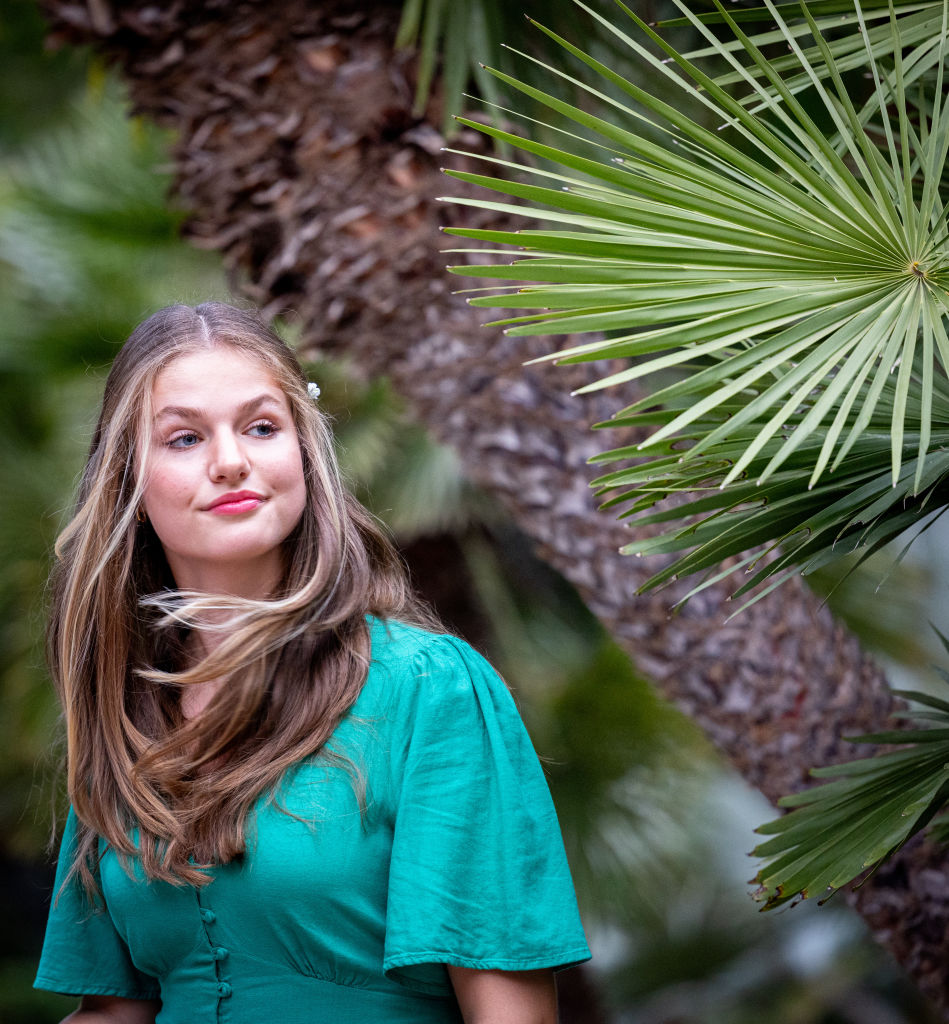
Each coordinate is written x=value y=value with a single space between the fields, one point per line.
x=313 y=390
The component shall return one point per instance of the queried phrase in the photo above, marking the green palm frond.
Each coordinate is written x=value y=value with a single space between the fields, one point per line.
x=456 y=35
x=794 y=283
x=839 y=830
x=920 y=26
x=788 y=526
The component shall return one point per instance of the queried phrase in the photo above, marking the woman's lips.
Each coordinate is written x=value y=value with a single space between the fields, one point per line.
x=235 y=504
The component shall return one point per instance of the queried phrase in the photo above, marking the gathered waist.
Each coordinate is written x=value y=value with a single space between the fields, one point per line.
x=245 y=990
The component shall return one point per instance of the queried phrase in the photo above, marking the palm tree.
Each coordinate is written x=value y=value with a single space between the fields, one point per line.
x=796 y=282
x=300 y=159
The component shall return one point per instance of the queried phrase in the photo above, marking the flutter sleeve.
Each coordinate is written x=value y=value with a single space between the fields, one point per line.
x=478 y=876
x=83 y=954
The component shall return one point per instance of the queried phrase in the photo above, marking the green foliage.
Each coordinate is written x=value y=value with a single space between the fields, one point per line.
x=87 y=247
x=840 y=829
x=791 y=281
x=457 y=35
x=36 y=84
x=413 y=484
x=854 y=595
x=21 y=1003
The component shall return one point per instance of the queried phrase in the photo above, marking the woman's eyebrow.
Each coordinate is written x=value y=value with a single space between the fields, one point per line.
x=187 y=412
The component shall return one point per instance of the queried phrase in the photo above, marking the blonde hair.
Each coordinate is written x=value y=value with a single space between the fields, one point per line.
x=294 y=664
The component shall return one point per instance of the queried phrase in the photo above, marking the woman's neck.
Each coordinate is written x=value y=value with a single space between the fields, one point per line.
x=256 y=581
x=202 y=642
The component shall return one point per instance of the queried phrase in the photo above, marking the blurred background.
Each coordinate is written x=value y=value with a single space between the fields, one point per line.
x=657 y=829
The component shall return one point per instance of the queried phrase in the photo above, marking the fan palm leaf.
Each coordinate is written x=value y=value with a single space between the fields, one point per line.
x=869 y=31
x=457 y=35
x=837 y=831
x=793 y=282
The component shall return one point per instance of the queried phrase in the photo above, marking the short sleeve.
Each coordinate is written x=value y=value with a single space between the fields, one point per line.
x=83 y=954
x=478 y=876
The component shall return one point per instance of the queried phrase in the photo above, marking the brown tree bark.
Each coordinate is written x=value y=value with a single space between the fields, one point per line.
x=299 y=159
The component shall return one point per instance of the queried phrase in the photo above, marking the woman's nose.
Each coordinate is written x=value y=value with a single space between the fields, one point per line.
x=228 y=459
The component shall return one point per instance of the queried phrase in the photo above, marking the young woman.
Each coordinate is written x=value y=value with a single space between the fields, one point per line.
x=293 y=798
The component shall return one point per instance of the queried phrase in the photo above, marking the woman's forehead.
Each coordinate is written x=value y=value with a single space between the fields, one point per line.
x=220 y=372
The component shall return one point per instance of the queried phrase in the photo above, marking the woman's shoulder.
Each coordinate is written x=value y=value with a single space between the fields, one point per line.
x=393 y=639
x=412 y=663
x=403 y=645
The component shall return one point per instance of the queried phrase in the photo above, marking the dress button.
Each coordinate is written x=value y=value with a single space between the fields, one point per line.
x=208 y=916
x=219 y=953
x=224 y=990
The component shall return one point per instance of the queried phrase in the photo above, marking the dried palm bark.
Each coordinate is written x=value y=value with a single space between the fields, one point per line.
x=299 y=159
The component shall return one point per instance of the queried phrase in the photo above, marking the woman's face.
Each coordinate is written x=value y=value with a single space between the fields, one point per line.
x=224 y=479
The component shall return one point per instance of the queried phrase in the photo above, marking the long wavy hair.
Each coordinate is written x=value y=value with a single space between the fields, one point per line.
x=293 y=664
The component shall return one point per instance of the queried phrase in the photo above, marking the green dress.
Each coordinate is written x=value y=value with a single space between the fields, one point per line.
x=337 y=915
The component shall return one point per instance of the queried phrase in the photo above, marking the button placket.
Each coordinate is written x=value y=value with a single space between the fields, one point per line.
x=218 y=953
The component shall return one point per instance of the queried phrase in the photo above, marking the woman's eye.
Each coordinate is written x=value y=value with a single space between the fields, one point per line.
x=186 y=440
x=263 y=429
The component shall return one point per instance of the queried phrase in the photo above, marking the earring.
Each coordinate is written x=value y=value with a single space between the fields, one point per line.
x=140 y=516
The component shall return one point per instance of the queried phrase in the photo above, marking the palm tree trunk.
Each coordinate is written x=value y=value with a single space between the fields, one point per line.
x=299 y=159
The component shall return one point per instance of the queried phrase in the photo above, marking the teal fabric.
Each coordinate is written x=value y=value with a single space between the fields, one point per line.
x=342 y=915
